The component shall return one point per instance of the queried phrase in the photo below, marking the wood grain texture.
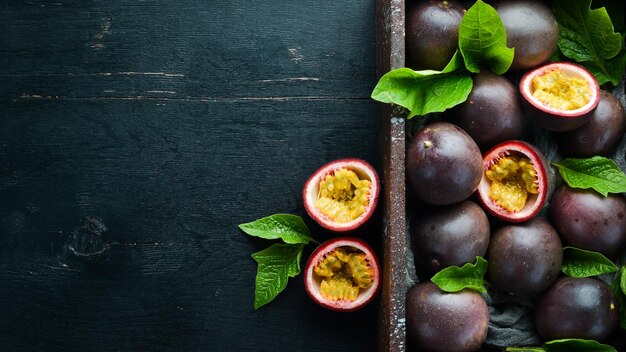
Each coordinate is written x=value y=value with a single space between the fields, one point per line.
x=137 y=135
x=390 y=55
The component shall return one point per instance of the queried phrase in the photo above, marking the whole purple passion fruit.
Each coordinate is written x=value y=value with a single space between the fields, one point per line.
x=531 y=29
x=583 y=308
x=492 y=113
x=441 y=321
x=601 y=135
x=443 y=164
x=524 y=259
x=432 y=32
x=449 y=235
x=342 y=274
x=588 y=220
x=342 y=195
x=560 y=96
x=515 y=183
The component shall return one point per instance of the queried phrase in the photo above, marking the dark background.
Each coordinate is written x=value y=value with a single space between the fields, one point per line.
x=136 y=135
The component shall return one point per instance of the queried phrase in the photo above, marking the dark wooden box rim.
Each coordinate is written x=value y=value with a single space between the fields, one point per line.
x=389 y=56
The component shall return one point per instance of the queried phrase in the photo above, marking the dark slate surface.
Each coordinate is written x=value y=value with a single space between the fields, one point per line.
x=136 y=135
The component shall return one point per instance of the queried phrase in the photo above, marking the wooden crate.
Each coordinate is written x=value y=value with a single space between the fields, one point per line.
x=390 y=32
x=390 y=55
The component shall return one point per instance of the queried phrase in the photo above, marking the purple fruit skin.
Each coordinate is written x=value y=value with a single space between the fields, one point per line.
x=443 y=164
x=588 y=220
x=524 y=259
x=601 y=135
x=584 y=308
x=432 y=32
x=449 y=235
x=531 y=29
x=492 y=113
x=440 y=321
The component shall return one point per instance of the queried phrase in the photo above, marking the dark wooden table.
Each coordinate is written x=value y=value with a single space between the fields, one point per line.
x=136 y=135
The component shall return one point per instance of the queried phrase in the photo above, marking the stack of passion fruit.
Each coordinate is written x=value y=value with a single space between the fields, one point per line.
x=481 y=184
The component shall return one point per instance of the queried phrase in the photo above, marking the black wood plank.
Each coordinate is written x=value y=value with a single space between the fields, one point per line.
x=169 y=181
x=136 y=136
x=213 y=49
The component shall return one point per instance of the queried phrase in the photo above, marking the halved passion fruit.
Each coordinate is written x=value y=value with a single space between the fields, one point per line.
x=342 y=274
x=342 y=195
x=515 y=181
x=560 y=96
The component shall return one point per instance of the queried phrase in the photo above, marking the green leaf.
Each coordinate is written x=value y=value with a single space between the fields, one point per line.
x=482 y=40
x=583 y=263
x=612 y=71
x=588 y=36
x=578 y=345
x=290 y=228
x=454 y=278
x=566 y=345
x=619 y=285
x=622 y=281
x=276 y=264
x=615 y=9
x=597 y=172
x=424 y=92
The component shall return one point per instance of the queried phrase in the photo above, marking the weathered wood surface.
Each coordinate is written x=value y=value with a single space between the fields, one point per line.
x=135 y=136
x=390 y=55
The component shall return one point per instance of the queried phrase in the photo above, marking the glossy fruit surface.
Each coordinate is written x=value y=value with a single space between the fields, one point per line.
x=601 y=135
x=449 y=235
x=586 y=219
x=432 y=32
x=440 y=321
x=524 y=259
x=560 y=96
x=531 y=29
x=342 y=195
x=515 y=183
x=492 y=113
x=443 y=164
x=342 y=274
x=583 y=308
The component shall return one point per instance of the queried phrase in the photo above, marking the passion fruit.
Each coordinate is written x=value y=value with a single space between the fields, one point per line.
x=531 y=29
x=586 y=219
x=432 y=33
x=515 y=182
x=583 y=308
x=443 y=164
x=486 y=121
x=342 y=274
x=601 y=135
x=342 y=195
x=441 y=321
x=524 y=259
x=449 y=235
x=560 y=96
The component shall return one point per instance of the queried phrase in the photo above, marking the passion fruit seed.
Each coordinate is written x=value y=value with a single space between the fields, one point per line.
x=512 y=180
x=344 y=272
x=343 y=196
x=558 y=90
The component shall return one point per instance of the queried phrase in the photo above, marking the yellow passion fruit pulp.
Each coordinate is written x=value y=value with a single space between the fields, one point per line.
x=343 y=196
x=558 y=90
x=343 y=272
x=513 y=179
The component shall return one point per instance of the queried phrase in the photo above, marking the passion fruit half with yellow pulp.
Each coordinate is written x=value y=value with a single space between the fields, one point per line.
x=342 y=195
x=515 y=183
x=342 y=274
x=560 y=96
